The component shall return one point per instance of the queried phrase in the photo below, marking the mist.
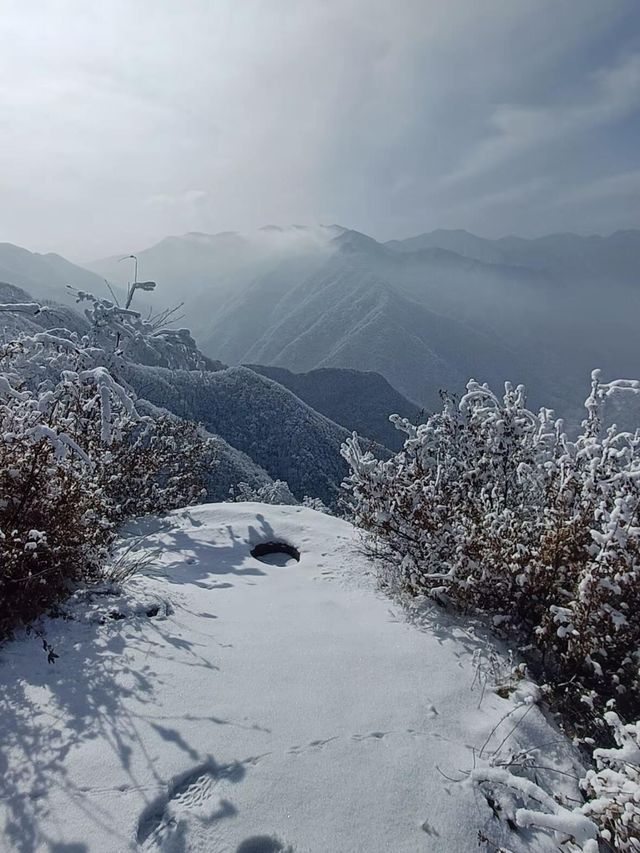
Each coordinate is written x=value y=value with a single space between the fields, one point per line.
x=124 y=123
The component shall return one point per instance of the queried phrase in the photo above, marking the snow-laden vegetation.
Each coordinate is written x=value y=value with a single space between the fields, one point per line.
x=493 y=508
x=77 y=458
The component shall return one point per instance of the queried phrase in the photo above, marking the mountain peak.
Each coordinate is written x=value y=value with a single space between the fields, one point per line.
x=356 y=241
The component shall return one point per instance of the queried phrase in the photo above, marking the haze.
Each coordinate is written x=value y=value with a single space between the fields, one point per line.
x=122 y=123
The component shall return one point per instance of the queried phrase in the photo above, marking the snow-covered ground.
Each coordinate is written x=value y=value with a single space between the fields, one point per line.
x=259 y=708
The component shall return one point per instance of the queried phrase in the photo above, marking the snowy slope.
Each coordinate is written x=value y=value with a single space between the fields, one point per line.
x=260 y=708
x=348 y=314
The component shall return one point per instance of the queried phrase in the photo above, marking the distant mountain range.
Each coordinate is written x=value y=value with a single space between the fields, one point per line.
x=558 y=255
x=426 y=313
x=46 y=276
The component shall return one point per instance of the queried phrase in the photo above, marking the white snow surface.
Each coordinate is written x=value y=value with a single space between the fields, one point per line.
x=261 y=708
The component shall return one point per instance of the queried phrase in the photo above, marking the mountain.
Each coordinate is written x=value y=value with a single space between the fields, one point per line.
x=262 y=429
x=279 y=432
x=46 y=276
x=559 y=255
x=427 y=316
x=205 y=270
x=426 y=313
x=369 y=308
x=56 y=316
x=358 y=400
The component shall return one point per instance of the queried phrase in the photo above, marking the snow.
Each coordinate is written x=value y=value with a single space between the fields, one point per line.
x=223 y=703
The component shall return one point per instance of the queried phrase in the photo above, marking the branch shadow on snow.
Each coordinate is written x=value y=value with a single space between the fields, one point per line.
x=200 y=561
x=102 y=688
x=48 y=711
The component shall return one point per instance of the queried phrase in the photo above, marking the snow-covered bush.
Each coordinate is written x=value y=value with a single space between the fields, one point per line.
x=76 y=459
x=317 y=504
x=118 y=331
x=159 y=464
x=608 y=820
x=493 y=507
x=277 y=493
x=613 y=787
x=54 y=525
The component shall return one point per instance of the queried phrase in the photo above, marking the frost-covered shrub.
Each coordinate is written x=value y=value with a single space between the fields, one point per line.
x=76 y=459
x=613 y=788
x=277 y=493
x=118 y=331
x=54 y=525
x=493 y=507
x=608 y=820
x=159 y=464
x=317 y=504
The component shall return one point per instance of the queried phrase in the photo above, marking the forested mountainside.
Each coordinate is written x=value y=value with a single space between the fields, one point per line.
x=278 y=431
x=358 y=400
x=427 y=313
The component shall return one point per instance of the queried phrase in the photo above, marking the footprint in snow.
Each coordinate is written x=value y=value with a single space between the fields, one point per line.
x=429 y=829
x=374 y=735
x=190 y=796
x=314 y=744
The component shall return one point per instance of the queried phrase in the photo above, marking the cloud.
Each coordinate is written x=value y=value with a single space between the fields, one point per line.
x=623 y=185
x=613 y=94
x=125 y=122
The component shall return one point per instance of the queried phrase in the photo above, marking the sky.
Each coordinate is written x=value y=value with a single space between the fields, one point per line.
x=123 y=122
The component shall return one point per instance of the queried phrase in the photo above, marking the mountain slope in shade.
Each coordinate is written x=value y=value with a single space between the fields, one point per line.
x=358 y=400
x=276 y=429
x=347 y=315
x=232 y=465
